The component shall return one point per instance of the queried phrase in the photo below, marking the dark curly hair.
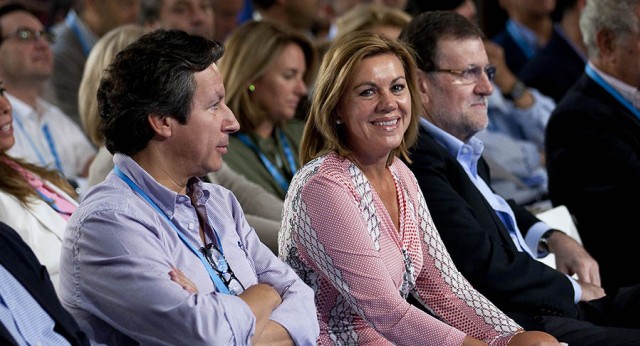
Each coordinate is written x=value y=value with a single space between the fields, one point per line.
x=154 y=76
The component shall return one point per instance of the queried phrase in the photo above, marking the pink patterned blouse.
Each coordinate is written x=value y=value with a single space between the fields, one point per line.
x=338 y=236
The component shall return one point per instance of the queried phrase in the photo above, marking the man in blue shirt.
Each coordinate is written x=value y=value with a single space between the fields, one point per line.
x=30 y=312
x=155 y=255
x=493 y=241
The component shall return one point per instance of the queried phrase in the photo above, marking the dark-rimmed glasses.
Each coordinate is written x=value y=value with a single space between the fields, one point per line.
x=219 y=263
x=29 y=35
x=471 y=74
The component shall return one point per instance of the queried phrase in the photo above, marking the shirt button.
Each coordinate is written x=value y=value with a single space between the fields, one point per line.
x=190 y=226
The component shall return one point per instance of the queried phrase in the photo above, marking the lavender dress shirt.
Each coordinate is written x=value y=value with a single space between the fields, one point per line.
x=118 y=250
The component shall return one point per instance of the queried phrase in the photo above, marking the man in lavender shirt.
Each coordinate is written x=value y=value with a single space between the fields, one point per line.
x=155 y=256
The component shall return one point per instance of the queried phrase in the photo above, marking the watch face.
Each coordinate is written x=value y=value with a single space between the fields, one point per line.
x=518 y=90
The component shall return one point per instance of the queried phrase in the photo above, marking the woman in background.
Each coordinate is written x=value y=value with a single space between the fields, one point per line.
x=266 y=68
x=376 y=18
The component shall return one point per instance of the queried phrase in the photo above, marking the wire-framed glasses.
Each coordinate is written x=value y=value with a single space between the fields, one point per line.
x=29 y=35
x=470 y=75
x=219 y=263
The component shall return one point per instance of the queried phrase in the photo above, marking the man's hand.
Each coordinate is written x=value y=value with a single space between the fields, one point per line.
x=590 y=291
x=572 y=258
x=178 y=277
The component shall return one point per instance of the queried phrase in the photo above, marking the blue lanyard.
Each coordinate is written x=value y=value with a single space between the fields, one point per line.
x=72 y=22
x=51 y=203
x=52 y=146
x=273 y=170
x=220 y=286
x=598 y=79
x=50 y=143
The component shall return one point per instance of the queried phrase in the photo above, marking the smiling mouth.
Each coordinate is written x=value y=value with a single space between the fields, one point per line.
x=6 y=128
x=386 y=123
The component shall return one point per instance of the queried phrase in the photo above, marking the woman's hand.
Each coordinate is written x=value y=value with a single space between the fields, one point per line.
x=534 y=338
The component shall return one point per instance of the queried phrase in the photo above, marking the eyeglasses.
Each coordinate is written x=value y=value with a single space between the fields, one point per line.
x=219 y=263
x=29 y=35
x=471 y=74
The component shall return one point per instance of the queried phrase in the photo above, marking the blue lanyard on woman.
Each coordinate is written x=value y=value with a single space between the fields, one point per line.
x=217 y=281
x=50 y=143
x=51 y=202
x=598 y=79
x=275 y=173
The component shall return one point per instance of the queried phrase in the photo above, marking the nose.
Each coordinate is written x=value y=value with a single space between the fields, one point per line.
x=230 y=124
x=41 y=41
x=198 y=16
x=301 y=87
x=484 y=86
x=387 y=102
x=5 y=106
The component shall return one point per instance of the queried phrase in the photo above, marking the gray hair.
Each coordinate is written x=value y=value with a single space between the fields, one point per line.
x=619 y=17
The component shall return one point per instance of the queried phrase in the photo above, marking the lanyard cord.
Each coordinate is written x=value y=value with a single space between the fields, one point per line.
x=52 y=147
x=217 y=281
x=50 y=143
x=598 y=79
x=52 y=203
x=275 y=173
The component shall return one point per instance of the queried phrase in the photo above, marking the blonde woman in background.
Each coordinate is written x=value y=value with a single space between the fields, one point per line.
x=376 y=18
x=99 y=58
x=262 y=210
x=267 y=69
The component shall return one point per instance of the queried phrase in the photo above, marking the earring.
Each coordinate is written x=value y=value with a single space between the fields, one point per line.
x=252 y=88
x=339 y=121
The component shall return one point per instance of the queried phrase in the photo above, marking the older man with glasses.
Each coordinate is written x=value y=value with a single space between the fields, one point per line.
x=44 y=135
x=493 y=241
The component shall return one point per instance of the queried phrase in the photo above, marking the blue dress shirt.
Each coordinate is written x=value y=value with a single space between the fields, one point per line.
x=23 y=317
x=468 y=154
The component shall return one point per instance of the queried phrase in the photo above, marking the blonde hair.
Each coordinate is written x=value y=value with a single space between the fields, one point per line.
x=367 y=16
x=249 y=51
x=340 y=63
x=100 y=57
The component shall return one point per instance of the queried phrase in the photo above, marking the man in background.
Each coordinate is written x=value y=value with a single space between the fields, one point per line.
x=75 y=36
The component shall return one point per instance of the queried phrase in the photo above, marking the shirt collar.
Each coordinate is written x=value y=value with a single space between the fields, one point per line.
x=21 y=109
x=165 y=198
x=528 y=36
x=628 y=92
x=467 y=154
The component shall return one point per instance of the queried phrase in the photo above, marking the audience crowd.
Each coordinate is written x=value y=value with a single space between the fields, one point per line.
x=304 y=172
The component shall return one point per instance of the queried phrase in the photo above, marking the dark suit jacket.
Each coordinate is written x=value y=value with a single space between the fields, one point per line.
x=513 y=54
x=554 y=69
x=593 y=161
x=68 y=65
x=16 y=256
x=480 y=244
